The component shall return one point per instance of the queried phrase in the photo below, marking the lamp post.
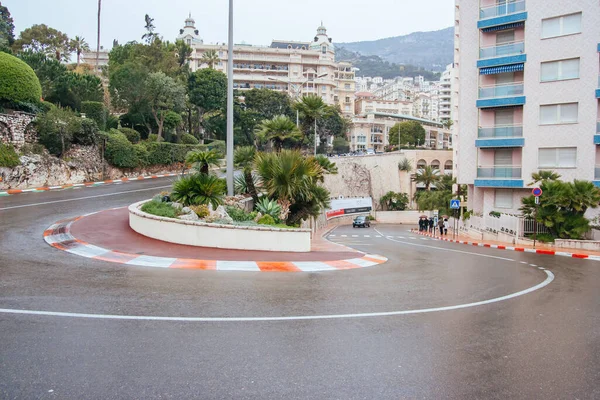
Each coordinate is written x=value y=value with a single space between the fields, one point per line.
x=229 y=157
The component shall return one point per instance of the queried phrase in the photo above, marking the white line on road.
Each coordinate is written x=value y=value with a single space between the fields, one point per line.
x=84 y=198
x=546 y=282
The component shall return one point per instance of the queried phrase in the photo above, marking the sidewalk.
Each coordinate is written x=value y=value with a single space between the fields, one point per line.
x=542 y=248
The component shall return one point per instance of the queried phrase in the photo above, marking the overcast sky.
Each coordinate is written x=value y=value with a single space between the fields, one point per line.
x=256 y=21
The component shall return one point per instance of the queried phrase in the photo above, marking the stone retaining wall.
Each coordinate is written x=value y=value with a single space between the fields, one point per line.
x=16 y=128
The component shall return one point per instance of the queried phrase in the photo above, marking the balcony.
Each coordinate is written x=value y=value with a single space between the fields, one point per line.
x=500 y=136
x=507 y=176
x=504 y=54
x=598 y=90
x=501 y=15
x=501 y=95
x=597 y=135
x=597 y=176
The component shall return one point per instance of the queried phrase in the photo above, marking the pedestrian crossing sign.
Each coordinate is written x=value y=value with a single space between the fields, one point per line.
x=455 y=204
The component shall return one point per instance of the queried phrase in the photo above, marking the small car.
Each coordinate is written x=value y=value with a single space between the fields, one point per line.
x=361 y=222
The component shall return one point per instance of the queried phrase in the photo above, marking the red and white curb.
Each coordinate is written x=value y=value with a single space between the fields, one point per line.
x=85 y=184
x=512 y=248
x=59 y=237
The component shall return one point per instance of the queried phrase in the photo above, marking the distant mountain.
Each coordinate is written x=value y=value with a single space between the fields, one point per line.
x=430 y=50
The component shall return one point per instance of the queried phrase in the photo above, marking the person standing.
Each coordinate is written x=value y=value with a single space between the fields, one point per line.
x=431 y=225
x=441 y=226
x=446 y=226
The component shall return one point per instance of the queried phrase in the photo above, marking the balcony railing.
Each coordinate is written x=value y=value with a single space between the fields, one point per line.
x=506 y=131
x=500 y=171
x=507 y=90
x=508 y=49
x=499 y=10
x=597 y=172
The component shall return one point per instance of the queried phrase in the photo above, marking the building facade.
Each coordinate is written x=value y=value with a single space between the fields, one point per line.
x=298 y=68
x=528 y=96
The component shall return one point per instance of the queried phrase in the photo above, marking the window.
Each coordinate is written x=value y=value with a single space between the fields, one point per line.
x=503 y=198
x=560 y=70
x=324 y=88
x=560 y=26
x=558 y=157
x=347 y=86
x=559 y=113
x=324 y=49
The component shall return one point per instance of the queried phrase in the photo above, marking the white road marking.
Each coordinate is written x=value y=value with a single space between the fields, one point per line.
x=424 y=239
x=399 y=237
x=331 y=235
x=367 y=236
x=84 y=198
x=546 y=282
x=344 y=235
x=354 y=235
x=377 y=236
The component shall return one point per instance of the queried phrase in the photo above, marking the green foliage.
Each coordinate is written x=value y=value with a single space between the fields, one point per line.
x=152 y=138
x=405 y=166
x=56 y=129
x=172 y=120
x=244 y=158
x=87 y=135
x=163 y=94
x=427 y=176
x=268 y=103
x=119 y=151
x=131 y=134
x=327 y=167
x=311 y=107
x=395 y=201
x=199 y=189
x=7 y=29
x=341 y=145
x=203 y=160
x=407 y=133
x=141 y=154
x=280 y=130
x=562 y=207
x=542 y=176
x=267 y=206
x=186 y=138
x=210 y=58
x=207 y=89
x=71 y=89
x=44 y=39
x=19 y=84
x=201 y=211
x=240 y=183
x=217 y=145
x=160 y=209
x=95 y=110
x=434 y=200
x=8 y=156
x=237 y=214
x=162 y=153
x=266 y=220
x=32 y=148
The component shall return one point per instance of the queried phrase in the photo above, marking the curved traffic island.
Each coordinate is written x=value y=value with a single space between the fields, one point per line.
x=221 y=236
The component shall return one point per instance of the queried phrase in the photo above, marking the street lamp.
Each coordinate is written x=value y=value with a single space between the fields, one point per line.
x=230 y=104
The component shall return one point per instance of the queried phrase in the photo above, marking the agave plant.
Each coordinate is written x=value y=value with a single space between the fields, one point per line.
x=270 y=207
x=199 y=189
x=240 y=183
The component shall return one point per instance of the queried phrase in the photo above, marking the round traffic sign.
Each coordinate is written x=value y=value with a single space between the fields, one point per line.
x=537 y=192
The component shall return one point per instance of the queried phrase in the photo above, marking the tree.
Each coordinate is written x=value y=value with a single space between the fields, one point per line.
x=407 y=132
x=7 y=28
x=427 y=176
x=542 y=176
x=163 y=94
x=311 y=108
x=340 y=145
x=327 y=167
x=279 y=130
x=184 y=52
x=448 y=123
x=150 y=35
x=19 y=84
x=207 y=90
x=43 y=39
x=57 y=128
x=244 y=158
x=203 y=160
x=394 y=201
x=210 y=57
x=268 y=103
x=79 y=45
x=98 y=35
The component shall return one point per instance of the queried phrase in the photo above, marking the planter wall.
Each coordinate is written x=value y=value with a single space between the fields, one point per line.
x=201 y=234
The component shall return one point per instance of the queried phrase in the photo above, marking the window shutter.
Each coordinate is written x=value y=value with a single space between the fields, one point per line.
x=570 y=69
x=571 y=24
x=568 y=112
x=504 y=198
x=550 y=27
x=548 y=114
x=567 y=157
x=547 y=158
x=549 y=71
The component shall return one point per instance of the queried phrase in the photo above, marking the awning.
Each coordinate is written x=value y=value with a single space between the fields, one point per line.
x=502 y=27
x=501 y=69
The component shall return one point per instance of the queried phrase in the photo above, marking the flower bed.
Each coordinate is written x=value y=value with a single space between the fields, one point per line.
x=202 y=234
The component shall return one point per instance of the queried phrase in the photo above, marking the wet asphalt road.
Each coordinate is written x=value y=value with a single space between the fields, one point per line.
x=545 y=344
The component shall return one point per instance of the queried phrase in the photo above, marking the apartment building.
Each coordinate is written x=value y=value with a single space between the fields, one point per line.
x=445 y=94
x=298 y=68
x=367 y=103
x=528 y=96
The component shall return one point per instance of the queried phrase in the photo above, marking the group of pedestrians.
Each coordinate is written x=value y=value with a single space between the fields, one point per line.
x=428 y=225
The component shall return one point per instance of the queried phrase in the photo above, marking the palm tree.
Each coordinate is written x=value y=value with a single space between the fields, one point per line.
x=244 y=158
x=278 y=130
x=311 y=108
x=79 y=45
x=584 y=195
x=427 y=176
x=98 y=41
x=406 y=167
x=199 y=189
x=327 y=167
x=210 y=57
x=202 y=160
x=150 y=35
x=542 y=176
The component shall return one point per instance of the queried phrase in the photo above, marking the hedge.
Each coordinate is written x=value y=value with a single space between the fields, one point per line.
x=96 y=111
x=119 y=151
x=87 y=135
x=186 y=138
x=163 y=153
x=131 y=134
x=19 y=82
x=218 y=145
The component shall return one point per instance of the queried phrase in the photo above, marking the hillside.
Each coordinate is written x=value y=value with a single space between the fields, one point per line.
x=430 y=50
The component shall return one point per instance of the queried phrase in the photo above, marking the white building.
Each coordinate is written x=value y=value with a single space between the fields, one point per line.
x=445 y=94
x=528 y=96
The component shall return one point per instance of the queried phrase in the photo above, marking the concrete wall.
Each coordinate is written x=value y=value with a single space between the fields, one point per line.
x=578 y=244
x=399 y=217
x=201 y=234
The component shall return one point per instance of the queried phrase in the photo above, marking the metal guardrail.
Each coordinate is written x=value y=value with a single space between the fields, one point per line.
x=508 y=49
x=505 y=8
x=510 y=172
x=507 y=131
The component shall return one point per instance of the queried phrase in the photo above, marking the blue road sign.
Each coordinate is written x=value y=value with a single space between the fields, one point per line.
x=455 y=204
x=537 y=192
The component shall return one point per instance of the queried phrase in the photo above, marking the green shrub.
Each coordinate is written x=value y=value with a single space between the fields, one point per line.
x=199 y=189
x=87 y=134
x=46 y=106
x=8 y=156
x=218 y=145
x=119 y=151
x=19 y=84
x=270 y=207
x=237 y=214
x=160 y=209
x=141 y=154
x=164 y=153
x=201 y=211
x=186 y=138
x=56 y=129
x=266 y=220
x=96 y=111
x=32 y=148
x=152 y=138
x=112 y=122
x=131 y=134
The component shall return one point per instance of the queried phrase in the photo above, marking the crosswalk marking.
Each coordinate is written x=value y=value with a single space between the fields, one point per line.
x=366 y=235
x=354 y=235
x=344 y=235
x=331 y=235
x=400 y=237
